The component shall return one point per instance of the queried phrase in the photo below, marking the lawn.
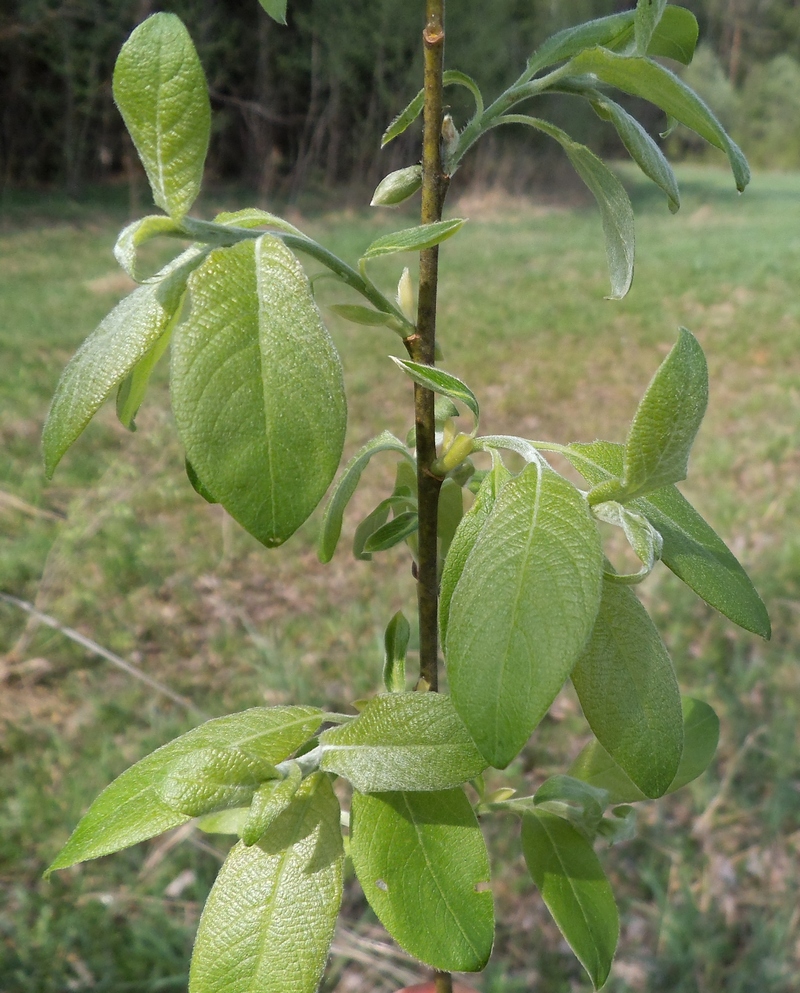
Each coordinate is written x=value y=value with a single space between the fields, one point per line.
x=119 y=547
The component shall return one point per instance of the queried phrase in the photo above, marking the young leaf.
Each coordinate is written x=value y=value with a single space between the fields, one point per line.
x=245 y=364
x=131 y=391
x=230 y=821
x=404 y=119
x=511 y=444
x=403 y=741
x=361 y=315
x=574 y=887
x=452 y=77
x=251 y=217
x=615 y=205
x=522 y=610
x=111 y=352
x=643 y=538
x=413 y=239
x=423 y=865
x=371 y=523
x=651 y=81
x=139 y=233
x=582 y=804
x=675 y=36
x=220 y=763
x=393 y=532
x=641 y=148
x=700 y=736
x=160 y=90
x=691 y=548
x=346 y=487
x=449 y=514
x=276 y=9
x=645 y=21
x=395 y=641
x=629 y=693
x=442 y=383
x=269 y=802
x=397 y=187
x=197 y=484
x=269 y=919
x=465 y=537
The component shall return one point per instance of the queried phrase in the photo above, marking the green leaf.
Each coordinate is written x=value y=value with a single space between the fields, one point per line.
x=615 y=205
x=269 y=802
x=131 y=391
x=268 y=923
x=627 y=687
x=645 y=22
x=361 y=315
x=643 y=538
x=397 y=187
x=700 y=736
x=276 y=9
x=395 y=640
x=574 y=887
x=140 y=232
x=641 y=148
x=691 y=548
x=522 y=609
x=675 y=37
x=466 y=535
x=230 y=821
x=111 y=352
x=440 y=382
x=423 y=865
x=449 y=514
x=371 y=523
x=160 y=90
x=651 y=81
x=346 y=487
x=404 y=119
x=393 y=532
x=250 y=217
x=403 y=741
x=582 y=804
x=197 y=484
x=219 y=764
x=413 y=239
x=452 y=77
x=257 y=388
x=509 y=443
x=619 y=826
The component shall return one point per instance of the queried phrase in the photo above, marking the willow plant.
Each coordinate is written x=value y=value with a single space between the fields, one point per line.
x=513 y=586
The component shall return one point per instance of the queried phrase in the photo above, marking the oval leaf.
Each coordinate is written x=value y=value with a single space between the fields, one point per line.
x=440 y=382
x=393 y=532
x=269 y=919
x=257 y=388
x=397 y=187
x=413 y=239
x=423 y=865
x=161 y=92
x=522 y=610
x=629 y=693
x=574 y=887
x=395 y=641
x=403 y=741
x=135 y=806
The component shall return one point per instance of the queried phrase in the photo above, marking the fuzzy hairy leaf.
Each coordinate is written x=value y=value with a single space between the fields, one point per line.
x=269 y=919
x=111 y=352
x=574 y=887
x=403 y=741
x=423 y=865
x=257 y=388
x=395 y=641
x=404 y=119
x=522 y=610
x=161 y=92
x=131 y=391
x=393 y=532
x=441 y=382
x=139 y=233
x=218 y=764
x=414 y=239
x=629 y=693
x=645 y=22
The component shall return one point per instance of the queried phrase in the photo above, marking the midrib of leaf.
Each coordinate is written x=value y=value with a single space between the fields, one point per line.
x=267 y=431
x=567 y=876
x=435 y=878
x=159 y=129
x=518 y=594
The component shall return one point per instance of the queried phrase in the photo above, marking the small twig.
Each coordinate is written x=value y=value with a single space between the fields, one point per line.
x=95 y=649
x=15 y=503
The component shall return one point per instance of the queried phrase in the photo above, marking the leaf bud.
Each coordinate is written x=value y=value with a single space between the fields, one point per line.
x=449 y=136
x=462 y=447
x=405 y=296
x=397 y=187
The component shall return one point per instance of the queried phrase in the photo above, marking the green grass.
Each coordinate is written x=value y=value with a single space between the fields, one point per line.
x=119 y=547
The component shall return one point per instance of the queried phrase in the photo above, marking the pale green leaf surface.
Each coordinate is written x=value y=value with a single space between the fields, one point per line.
x=346 y=487
x=584 y=804
x=131 y=391
x=441 y=382
x=160 y=90
x=404 y=119
x=229 y=821
x=269 y=801
x=111 y=352
x=423 y=865
x=140 y=232
x=616 y=211
x=449 y=514
x=522 y=610
x=361 y=315
x=397 y=187
x=574 y=887
x=413 y=239
x=642 y=537
x=393 y=532
x=254 y=217
x=374 y=520
x=403 y=741
x=691 y=548
x=645 y=21
x=219 y=763
x=651 y=81
x=257 y=388
x=395 y=645
x=276 y=9
x=675 y=36
x=269 y=919
x=629 y=693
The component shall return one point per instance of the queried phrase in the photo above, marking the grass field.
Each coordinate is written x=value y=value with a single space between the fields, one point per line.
x=120 y=548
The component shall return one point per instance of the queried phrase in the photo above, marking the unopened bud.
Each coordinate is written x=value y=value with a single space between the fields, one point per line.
x=462 y=447
x=397 y=187
x=449 y=135
x=405 y=296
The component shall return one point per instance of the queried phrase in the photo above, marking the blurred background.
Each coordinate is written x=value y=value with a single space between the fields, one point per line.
x=120 y=550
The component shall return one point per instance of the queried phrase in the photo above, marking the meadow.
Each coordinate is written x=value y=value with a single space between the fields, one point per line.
x=119 y=547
